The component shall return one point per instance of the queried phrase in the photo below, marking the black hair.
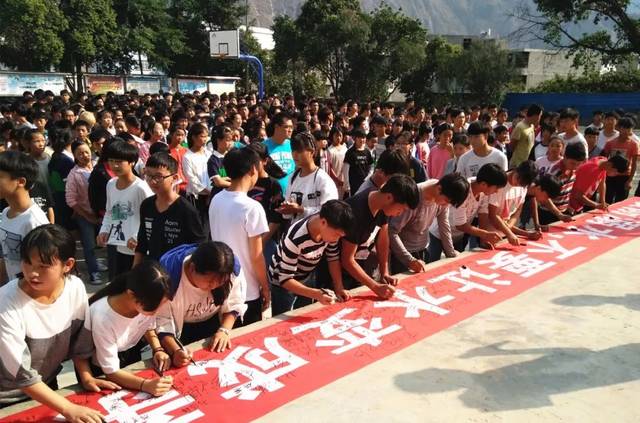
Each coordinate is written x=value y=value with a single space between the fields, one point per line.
x=626 y=122
x=270 y=166
x=492 y=175
x=239 y=161
x=392 y=162
x=477 y=128
x=500 y=129
x=590 y=130
x=122 y=150
x=60 y=139
x=455 y=187
x=550 y=184
x=358 y=133
x=303 y=142
x=132 y=121
x=164 y=160
x=158 y=147
x=462 y=139
x=403 y=189
x=338 y=214
x=534 y=110
x=51 y=242
x=612 y=115
x=441 y=128
x=79 y=123
x=148 y=281
x=196 y=129
x=527 y=172
x=279 y=118
x=569 y=113
x=19 y=165
x=31 y=133
x=546 y=127
x=575 y=151
x=215 y=257
x=619 y=163
x=96 y=134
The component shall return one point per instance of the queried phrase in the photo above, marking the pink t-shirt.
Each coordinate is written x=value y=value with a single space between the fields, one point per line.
x=438 y=158
x=588 y=177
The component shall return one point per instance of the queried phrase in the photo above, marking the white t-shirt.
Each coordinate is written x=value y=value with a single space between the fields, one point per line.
x=114 y=333
x=122 y=218
x=12 y=232
x=311 y=192
x=458 y=216
x=507 y=200
x=577 y=138
x=36 y=338
x=603 y=139
x=191 y=304
x=470 y=163
x=544 y=164
x=233 y=219
x=194 y=166
x=540 y=151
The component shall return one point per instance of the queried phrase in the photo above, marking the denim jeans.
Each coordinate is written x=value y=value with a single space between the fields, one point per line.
x=283 y=300
x=435 y=246
x=88 y=239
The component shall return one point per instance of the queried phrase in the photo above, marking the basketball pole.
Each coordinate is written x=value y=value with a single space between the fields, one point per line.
x=257 y=65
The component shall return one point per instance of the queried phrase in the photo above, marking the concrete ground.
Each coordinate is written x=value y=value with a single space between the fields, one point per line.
x=566 y=350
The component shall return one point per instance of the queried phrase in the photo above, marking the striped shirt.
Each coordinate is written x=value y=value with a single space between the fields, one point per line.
x=298 y=254
x=567 y=180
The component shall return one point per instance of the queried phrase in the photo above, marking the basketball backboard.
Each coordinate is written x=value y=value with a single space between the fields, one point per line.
x=224 y=44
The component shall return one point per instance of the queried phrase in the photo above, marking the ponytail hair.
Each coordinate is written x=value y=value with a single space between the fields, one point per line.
x=216 y=257
x=270 y=166
x=148 y=281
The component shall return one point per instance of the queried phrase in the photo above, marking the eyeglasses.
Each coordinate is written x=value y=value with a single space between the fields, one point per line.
x=156 y=179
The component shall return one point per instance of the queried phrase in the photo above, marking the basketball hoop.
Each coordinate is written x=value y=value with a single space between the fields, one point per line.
x=224 y=44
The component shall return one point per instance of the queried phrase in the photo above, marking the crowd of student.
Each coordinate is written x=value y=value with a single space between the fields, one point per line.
x=215 y=209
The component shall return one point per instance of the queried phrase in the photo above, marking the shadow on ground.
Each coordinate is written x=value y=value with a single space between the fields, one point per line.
x=630 y=301
x=529 y=384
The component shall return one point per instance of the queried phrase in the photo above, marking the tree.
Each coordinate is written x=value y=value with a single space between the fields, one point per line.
x=485 y=71
x=617 y=37
x=620 y=81
x=435 y=73
x=377 y=66
x=91 y=37
x=147 y=28
x=30 y=34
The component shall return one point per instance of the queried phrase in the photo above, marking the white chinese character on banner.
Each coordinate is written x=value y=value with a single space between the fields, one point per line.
x=632 y=210
x=553 y=247
x=592 y=233
x=463 y=277
x=347 y=334
x=520 y=264
x=256 y=371
x=117 y=410
x=413 y=305
x=615 y=222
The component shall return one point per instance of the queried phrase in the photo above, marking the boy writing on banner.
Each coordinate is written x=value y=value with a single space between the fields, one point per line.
x=299 y=252
x=371 y=210
x=409 y=232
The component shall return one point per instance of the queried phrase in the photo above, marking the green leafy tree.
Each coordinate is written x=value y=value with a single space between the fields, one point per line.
x=436 y=70
x=147 y=28
x=92 y=37
x=30 y=34
x=377 y=67
x=485 y=72
x=621 y=81
x=617 y=36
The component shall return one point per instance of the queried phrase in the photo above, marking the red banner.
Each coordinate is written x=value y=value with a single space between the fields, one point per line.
x=275 y=365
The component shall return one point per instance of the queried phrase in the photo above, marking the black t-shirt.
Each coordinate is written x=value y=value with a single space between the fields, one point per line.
x=160 y=232
x=40 y=194
x=268 y=192
x=360 y=162
x=365 y=221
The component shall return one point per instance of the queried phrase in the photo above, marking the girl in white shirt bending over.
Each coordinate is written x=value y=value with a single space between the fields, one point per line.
x=122 y=314
x=208 y=294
